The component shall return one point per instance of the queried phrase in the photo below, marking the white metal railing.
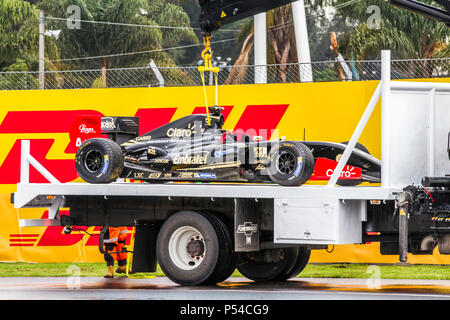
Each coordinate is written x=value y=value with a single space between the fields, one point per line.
x=26 y=159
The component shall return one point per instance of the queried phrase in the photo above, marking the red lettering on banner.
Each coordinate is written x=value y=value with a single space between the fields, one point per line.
x=63 y=170
x=39 y=122
x=153 y=118
x=54 y=236
x=260 y=120
x=42 y=121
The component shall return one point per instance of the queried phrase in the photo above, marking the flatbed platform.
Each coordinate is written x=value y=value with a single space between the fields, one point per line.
x=29 y=194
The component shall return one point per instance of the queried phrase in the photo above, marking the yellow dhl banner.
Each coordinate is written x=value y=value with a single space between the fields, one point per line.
x=308 y=111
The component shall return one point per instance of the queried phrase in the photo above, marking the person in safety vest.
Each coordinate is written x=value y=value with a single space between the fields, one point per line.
x=114 y=241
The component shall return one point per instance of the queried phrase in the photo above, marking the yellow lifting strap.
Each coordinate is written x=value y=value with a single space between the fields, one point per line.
x=207 y=55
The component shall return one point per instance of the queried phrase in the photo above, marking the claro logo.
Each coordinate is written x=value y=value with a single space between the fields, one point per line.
x=181 y=133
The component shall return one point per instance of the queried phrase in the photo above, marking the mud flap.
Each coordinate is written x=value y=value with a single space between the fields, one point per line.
x=246 y=225
x=144 y=256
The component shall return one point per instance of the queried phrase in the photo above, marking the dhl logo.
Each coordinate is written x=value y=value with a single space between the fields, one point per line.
x=54 y=151
x=55 y=236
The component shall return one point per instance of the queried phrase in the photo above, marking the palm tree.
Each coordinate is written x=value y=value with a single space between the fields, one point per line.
x=106 y=39
x=406 y=34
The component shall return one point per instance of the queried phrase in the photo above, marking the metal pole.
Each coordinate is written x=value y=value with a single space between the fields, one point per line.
x=403 y=200
x=301 y=39
x=260 y=26
x=41 y=50
x=385 y=119
x=354 y=139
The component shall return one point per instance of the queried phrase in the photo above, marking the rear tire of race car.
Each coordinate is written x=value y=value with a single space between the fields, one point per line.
x=99 y=160
x=192 y=249
x=291 y=163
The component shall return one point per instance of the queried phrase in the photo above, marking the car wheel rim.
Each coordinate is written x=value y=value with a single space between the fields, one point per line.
x=93 y=161
x=187 y=248
x=286 y=162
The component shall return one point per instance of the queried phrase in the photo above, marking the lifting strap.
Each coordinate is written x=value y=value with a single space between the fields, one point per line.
x=207 y=55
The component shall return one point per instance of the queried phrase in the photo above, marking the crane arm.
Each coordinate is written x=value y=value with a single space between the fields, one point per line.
x=431 y=12
x=214 y=14
x=217 y=13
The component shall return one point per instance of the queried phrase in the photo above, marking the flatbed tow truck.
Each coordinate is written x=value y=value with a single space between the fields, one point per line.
x=199 y=233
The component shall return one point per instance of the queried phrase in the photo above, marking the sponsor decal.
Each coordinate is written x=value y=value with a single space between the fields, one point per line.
x=299 y=166
x=86 y=130
x=154 y=175
x=191 y=159
x=205 y=175
x=181 y=133
x=108 y=123
x=324 y=168
x=138 y=175
x=105 y=164
x=186 y=174
x=219 y=154
x=260 y=151
x=247 y=229
x=143 y=138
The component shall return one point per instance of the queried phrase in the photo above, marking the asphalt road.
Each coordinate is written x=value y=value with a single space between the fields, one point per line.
x=96 y=288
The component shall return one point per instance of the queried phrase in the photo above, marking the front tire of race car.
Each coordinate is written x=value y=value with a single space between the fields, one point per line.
x=291 y=163
x=99 y=160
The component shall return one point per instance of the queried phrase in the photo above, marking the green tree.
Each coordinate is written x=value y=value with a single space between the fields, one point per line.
x=106 y=39
x=406 y=34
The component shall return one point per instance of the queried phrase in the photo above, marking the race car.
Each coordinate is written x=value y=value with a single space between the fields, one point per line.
x=196 y=148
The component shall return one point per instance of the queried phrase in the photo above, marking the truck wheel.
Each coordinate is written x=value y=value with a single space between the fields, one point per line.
x=303 y=255
x=99 y=160
x=268 y=265
x=351 y=183
x=190 y=247
x=228 y=258
x=291 y=163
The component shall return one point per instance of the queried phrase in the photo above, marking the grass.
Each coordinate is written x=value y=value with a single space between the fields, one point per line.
x=384 y=271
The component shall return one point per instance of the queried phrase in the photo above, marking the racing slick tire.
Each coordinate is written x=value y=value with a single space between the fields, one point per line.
x=291 y=163
x=351 y=183
x=99 y=160
x=192 y=249
x=254 y=266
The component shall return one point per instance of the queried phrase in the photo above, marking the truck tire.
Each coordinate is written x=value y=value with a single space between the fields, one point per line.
x=346 y=182
x=228 y=258
x=303 y=255
x=191 y=248
x=291 y=163
x=254 y=267
x=99 y=160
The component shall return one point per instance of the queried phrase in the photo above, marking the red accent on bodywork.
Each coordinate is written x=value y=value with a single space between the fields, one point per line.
x=323 y=169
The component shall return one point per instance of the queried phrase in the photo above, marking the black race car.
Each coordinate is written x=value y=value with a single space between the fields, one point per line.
x=196 y=148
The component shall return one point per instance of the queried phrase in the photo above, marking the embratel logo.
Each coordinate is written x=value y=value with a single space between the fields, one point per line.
x=48 y=124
